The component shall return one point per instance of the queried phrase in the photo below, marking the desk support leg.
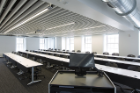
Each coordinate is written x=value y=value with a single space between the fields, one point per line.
x=33 y=81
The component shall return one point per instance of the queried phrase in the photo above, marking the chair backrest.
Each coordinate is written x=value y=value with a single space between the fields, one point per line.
x=131 y=55
x=134 y=68
x=139 y=56
x=111 y=64
x=73 y=50
x=87 y=52
x=78 y=50
x=115 y=54
x=31 y=50
x=105 y=53
x=67 y=51
x=94 y=52
x=63 y=50
x=120 y=58
x=26 y=50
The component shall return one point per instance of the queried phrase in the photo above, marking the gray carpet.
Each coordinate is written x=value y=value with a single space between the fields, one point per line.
x=10 y=83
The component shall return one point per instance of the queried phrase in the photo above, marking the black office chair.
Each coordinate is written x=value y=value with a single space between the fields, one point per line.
x=67 y=51
x=87 y=52
x=131 y=55
x=79 y=51
x=63 y=50
x=123 y=59
x=31 y=50
x=105 y=53
x=94 y=52
x=115 y=54
x=64 y=56
x=38 y=70
x=58 y=55
x=73 y=50
x=111 y=64
x=134 y=68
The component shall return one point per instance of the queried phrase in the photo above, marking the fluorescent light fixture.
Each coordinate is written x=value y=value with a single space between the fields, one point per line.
x=87 y=28
x=23 y=22
x=30 y=32
x=61 y=26
x=80 y=29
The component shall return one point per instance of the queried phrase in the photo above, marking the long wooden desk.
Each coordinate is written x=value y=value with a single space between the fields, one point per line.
x=124 y=76
x=27 y=63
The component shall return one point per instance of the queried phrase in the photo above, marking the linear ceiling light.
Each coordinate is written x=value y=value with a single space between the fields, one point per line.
x=61 y=25
x=23 y=22
x=79 y=29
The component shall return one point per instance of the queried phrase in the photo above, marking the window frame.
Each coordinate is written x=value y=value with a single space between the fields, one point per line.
x=69 y=43
x=40 y=43
x=20 y=44
x=106 y=44
x=86 y=43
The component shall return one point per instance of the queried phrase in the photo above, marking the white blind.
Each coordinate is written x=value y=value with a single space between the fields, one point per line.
x=111 y=43
x=20 y=44
x=42 y=43
x=87 y=43
x=70 y=43
x=51 y=42
x=63 y=43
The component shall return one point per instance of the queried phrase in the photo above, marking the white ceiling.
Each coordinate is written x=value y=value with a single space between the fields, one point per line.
x=84 y=25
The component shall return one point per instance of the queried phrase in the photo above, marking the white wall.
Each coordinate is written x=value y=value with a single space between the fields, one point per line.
x=129 y=43
x=7 y=44
x=32 y=43
x=97 y=43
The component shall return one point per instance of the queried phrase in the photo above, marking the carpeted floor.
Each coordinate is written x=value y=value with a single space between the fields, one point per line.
x=10 y=83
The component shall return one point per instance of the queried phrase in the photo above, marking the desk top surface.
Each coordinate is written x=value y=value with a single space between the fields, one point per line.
x=133 y=58
x=23 y=61
x=123 y=72
x=70 y=79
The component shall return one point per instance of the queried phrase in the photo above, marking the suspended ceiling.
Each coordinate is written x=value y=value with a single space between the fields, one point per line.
x=13 y=12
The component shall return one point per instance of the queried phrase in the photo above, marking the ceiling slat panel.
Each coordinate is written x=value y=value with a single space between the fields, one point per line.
x=7 y=10
x=22 y=2
x=21 y=11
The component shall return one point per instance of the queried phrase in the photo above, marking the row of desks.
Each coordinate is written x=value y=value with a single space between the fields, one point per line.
x=124 y=63
x=27 y=63
x=125 y=72
x=98 y=55
x=124 y=76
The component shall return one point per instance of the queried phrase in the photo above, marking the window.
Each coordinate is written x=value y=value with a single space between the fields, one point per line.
x=63 y=43
x=87 y=44
x=42 y=43
x=111 y=43
x=70 y=43
x=20 y=46
x=50 y=43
